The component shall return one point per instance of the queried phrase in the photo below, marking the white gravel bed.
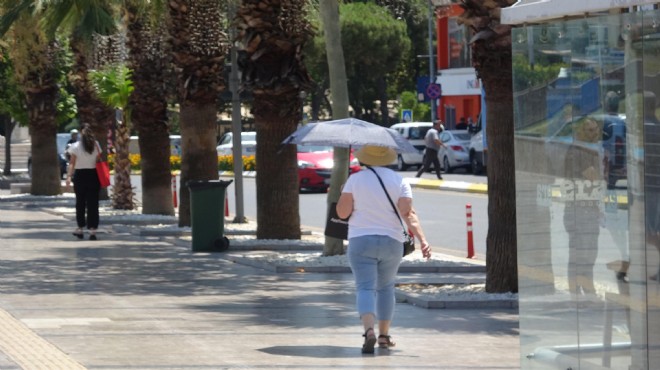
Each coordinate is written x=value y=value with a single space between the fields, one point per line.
x=459 y=292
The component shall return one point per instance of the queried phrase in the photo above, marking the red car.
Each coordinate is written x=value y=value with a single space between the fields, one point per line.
x=315 y=167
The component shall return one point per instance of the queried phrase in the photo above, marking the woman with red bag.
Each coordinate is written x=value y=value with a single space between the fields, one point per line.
x=82 y=167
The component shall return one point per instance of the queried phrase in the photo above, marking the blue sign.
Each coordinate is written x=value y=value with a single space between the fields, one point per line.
x=406 y=115
x=420 y=88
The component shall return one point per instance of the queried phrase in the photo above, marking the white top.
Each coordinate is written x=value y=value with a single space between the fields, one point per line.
x=430 y=139
x=372 y=212
x=84 y=160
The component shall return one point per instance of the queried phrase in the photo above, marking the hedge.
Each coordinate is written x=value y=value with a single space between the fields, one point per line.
x=225 y=162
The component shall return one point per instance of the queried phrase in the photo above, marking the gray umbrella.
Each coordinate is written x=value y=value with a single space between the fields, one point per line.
x=349 y=133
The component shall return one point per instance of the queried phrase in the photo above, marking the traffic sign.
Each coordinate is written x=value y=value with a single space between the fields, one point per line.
x=406 y=115
x=434 y=91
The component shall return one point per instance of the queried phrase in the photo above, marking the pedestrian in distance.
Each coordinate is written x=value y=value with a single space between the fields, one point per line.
x=86 y=186
x=375 y=238
x=72 y=140
x=462 y=124
x=74 y=137
x=433 y=144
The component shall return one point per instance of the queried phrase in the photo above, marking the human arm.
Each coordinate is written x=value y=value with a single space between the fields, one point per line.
x=410 y=218
x=345 y=205
x=70 y=169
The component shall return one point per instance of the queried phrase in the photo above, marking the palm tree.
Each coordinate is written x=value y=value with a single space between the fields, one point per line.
x=491 y=57
x=148 y=58
x=36 y=72
x=199 y=47
x=272 y=34
x=82 y=20
x=113 y=86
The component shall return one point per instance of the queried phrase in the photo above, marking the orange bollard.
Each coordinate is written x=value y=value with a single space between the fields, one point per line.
x=470 y=239
x=174 y=196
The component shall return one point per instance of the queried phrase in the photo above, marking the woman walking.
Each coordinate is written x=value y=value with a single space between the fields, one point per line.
x=82 y=167
x=375 y=238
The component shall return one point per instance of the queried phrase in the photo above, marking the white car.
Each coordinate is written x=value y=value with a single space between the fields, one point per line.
x=248 y=143
x=478 y=156
x=414 y=132
x=455 y=152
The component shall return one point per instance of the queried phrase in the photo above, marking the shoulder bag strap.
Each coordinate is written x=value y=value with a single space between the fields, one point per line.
x=388 y=198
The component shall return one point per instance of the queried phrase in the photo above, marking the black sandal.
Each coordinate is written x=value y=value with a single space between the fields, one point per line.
x=387 y=343
x=369 y=341
x=78 y=235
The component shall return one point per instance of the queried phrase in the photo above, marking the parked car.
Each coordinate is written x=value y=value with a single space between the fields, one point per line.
x=455 y=153
x=62 y=157
x=315 y=165
x=175 y=145
x=248 y=143
x=414 y=132
x=478 y=156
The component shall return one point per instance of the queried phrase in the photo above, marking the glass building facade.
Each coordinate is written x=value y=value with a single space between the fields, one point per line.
x=587 y=149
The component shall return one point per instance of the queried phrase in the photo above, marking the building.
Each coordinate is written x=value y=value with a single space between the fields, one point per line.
x=461 y=89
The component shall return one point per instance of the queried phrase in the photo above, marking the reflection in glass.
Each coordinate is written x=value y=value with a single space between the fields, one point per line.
x=587 y=147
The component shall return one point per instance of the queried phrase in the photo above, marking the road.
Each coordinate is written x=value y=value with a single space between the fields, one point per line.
x=442 y=213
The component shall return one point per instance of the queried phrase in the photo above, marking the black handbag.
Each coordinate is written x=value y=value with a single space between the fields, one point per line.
x=335 y=226
x=408 y=240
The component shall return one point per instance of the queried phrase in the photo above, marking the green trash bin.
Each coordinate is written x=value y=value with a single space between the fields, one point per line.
x=207 y=205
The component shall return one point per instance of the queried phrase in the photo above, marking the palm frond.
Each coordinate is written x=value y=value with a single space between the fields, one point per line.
x=12 y=15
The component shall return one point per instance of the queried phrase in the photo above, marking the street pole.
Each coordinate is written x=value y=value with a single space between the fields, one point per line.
x=236 y=123
x=431 y=60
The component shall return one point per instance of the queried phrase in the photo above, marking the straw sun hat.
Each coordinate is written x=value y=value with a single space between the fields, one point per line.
x=375 y=155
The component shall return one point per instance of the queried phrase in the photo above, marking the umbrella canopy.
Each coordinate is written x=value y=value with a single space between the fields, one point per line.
x=349 y=133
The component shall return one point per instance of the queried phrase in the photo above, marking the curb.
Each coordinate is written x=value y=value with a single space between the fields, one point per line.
x=420 y=301
x=460 y=186
x=343 y=269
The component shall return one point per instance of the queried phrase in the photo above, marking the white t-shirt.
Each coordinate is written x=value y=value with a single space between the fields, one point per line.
x=84 y=160
x=372 y=212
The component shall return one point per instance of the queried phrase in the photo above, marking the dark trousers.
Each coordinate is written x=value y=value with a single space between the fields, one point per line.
x=430 y=157
x=86 y=186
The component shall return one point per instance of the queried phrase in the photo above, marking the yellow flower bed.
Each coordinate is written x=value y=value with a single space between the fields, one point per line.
x=225 y=162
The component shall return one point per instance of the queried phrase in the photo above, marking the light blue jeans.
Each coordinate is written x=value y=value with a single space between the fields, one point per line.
x=374 y=260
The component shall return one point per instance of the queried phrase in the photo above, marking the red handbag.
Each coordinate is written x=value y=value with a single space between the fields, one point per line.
x=102 y=170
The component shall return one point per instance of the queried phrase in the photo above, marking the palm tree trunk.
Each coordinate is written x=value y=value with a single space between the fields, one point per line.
x=148 y=104
x=91 y=110
x=198 y=48
x=339 y=88
x=122 y=191
x=199 y=159
x=41 y=96
x=277 y=171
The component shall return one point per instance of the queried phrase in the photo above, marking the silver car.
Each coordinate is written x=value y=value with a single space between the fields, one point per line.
x=456 y=152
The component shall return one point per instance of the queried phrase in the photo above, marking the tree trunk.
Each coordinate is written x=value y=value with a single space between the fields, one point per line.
x=278 y=201
x=199 y=158
x=382 y=94
x=339 y=90
x=198 y=50
x=9 y=125
x=501 y=241
x=147 y=59
x=46 y=179
x=491 y=58
x=91 y=110
x=122 y=191
x=41 y=96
